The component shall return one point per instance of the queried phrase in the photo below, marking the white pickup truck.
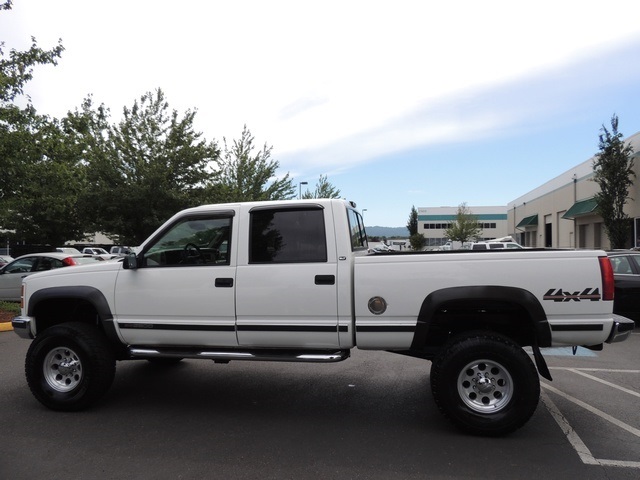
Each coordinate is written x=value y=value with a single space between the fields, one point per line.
x=293 y=281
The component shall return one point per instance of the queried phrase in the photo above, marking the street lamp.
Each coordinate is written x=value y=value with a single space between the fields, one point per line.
x=300 y=189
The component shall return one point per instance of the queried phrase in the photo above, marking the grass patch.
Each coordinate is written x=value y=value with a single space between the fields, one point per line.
x=13 y=307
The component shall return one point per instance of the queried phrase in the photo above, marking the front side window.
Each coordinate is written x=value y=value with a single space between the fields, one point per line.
x=287 y=236
x=192 y=241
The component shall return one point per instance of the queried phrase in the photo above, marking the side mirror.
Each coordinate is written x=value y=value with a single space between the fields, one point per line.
x=130 y=262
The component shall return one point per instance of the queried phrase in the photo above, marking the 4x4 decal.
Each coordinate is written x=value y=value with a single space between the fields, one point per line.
x=559 y=295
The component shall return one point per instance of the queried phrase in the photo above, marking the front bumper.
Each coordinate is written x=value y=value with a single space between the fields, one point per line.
x=622 y=328
x=23 y=327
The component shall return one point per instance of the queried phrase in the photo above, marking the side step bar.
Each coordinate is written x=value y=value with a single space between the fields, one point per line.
x=224 y=355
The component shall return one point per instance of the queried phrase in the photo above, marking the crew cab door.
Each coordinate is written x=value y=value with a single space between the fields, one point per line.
x=287 y=279
x=182 y=291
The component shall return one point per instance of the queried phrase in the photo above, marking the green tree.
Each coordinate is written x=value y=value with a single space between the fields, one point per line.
x=465 y=227
x=417 y=241
x=46 y=209
x=614 y=173
x=18 y=124
x=324 y=189
x=412 y=223
x=245 y=176
x=40 y=174
x=144 y=169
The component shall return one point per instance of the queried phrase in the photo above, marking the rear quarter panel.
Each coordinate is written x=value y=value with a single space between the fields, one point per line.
x=404 y=281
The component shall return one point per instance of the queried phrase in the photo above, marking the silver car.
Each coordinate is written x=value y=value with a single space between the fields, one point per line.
x=11 y=275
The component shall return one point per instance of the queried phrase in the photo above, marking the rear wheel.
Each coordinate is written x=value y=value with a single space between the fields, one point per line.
x=69 y=366
x=485 y=384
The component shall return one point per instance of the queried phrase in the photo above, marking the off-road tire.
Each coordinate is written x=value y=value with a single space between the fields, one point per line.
x=70 y=366
x=485 y=384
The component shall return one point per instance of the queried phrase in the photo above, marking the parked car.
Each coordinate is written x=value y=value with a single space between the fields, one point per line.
x=493 y=246
x=4 y=259
x=11 y=275
x=69 y=250
x=99 y=252
x=121 y=251
x=626 y=272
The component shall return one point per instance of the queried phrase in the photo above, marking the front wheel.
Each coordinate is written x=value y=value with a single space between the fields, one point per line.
x=69 y=366
x=485 y=384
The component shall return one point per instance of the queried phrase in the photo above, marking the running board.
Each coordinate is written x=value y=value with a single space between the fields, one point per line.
x=224 y=355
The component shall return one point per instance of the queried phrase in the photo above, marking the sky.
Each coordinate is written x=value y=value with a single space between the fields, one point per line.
x=400 y=104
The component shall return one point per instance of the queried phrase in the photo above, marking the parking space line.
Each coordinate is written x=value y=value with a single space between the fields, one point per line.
x=613 y=370
x=604 y=382
x=594 y=410
x=574 y=439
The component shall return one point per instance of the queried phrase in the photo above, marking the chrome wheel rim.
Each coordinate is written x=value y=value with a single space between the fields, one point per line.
x=485 y=386
x=62 y=369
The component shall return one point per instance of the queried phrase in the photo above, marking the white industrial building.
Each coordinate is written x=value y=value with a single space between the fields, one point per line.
x=562 y=212
x=433 y=221
x=558 y=214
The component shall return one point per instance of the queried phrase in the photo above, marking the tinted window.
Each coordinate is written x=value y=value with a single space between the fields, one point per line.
x=192 y=241
x=287 y=236
x=356 y=228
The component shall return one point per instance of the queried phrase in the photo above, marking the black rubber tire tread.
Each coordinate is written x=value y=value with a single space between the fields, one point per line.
x=485 y=345
x=95 y=353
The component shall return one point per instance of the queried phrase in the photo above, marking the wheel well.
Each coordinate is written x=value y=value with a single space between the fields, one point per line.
x=512 y=312
x=454 y=318
x=55 y=311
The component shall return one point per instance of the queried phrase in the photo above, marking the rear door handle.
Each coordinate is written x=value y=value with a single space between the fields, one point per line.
x=325 y=279
x=224 y=282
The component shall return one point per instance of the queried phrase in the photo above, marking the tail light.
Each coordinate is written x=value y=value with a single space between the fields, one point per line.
x=608 y=284
x=69 y=261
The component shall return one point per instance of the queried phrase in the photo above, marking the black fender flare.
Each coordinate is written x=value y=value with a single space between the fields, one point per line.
x=513 y=295
x=79 y=292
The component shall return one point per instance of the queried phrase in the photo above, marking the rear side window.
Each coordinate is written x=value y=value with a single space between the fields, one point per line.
x=287 y=236
x=356 y=229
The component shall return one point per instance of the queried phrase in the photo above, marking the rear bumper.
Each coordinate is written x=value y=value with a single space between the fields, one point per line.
x=621 y=329
x=22 y=326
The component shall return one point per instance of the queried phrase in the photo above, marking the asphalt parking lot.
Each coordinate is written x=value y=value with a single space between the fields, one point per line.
x=369 y=417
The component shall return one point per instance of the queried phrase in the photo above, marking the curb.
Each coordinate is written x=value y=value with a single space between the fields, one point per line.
x=5 y=326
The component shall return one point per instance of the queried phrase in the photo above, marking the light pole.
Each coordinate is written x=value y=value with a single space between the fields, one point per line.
x=300 y=189
x=363 y=210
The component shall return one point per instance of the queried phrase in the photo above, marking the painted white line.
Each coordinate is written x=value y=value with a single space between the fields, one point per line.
x=576 y=442
x=600 y=413
x=612 y=370
x=609 y=384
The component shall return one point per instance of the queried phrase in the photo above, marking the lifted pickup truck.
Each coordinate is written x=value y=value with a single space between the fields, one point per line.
x=292 y=281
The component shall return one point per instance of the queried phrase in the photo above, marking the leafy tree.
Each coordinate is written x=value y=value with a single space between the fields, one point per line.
x=245 y=176
x=144 y=169
x=614 y=173
x=324 y=189
x=46 y=209
x=417 y=241
x=465 y=226
x=41 y=176
x=412 y=223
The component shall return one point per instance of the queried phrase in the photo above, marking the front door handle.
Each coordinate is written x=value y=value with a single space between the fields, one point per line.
x=224 y=282
x=325 y=279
